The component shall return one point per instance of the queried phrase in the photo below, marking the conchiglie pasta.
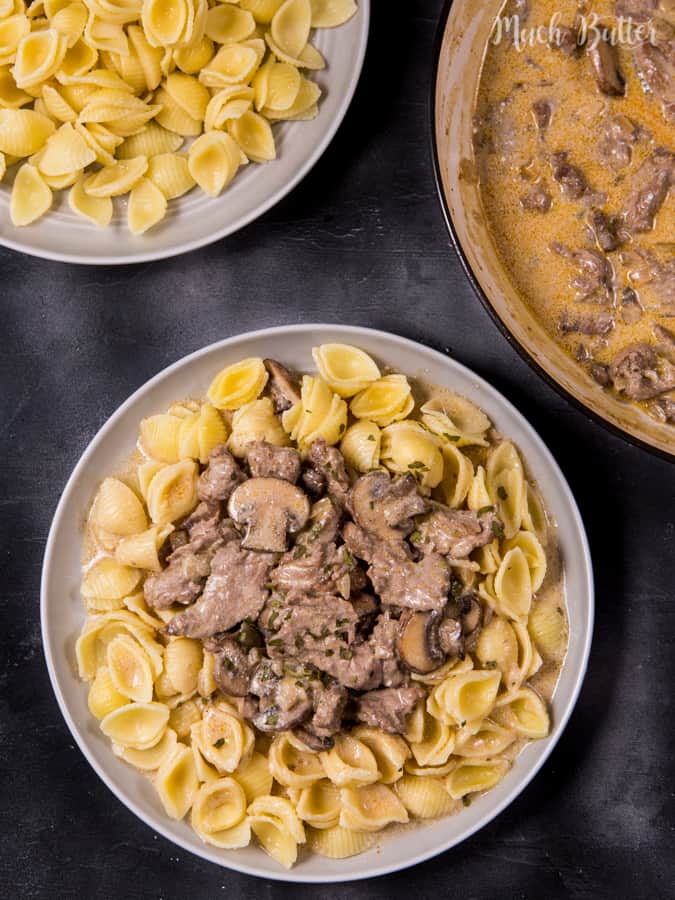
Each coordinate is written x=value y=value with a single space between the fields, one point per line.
x=31 y=197
x=292 y=764
x=390 y=751
x=218 y=814
x=319 y=414
x=458 y=474
x=434 y=745
x=177 y=783
x=98 y=210
x=237 y=384
x=424 y=797
x=147 y=206
x=253 y=774
x=256 y=421
x=172 y=493
x=534 y=554
x=99 y=630
x=130 y=669
x=497 y=646
x=224 y=740
x=290 y=26
x=171 y=174
x=346 y=369
x=513 y=585
x=106 y=583
x=319 y=804
x=407 y=447
x=526 y=712
x=534 y=514
x=370 y=807
x=350 y=762
x=277 y=827
x=477 y=496
x=465 y=697
x=136 y=725
x=142 y=550
x=548 y=628
x=386 y=400
x=488 y=740
x=184 y=714
x=183 y=660
x=104 y=697
x=473 y=775
x=117 y=509
x=151 y=759
x=457 y=419
x=360 y=446
x=340 y=843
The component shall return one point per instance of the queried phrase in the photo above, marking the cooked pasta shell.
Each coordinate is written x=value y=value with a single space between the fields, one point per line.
x=79 y=59
x=211 y=431
x=458 y=476
x=228 y=103
x=490 y=739
x=152 y=141
x=332 y=13
x=107 y=580
x=282 y=89
x=371 y=808
x=117 y=509
x=159 y=437
x=346 y=369
x=172 y=493
x=23 y=131
x=130 y=669
x=548 y=628
x=13 y=30
x=142 y=550
x=413 y=768
x=310 y=58
x=147 y=206
x=165 y=21
x=57 y=107
x=390 y=751
x=101 y=141
x=319 y=804
x=464 y=697
x=196 y=57
x=145 y=473
x=384 y=401
x=38 y=57
x=254 y=135
x=534 y=554
x=10 y=95
x=170 y=173
x=292 y=764
x=360 y=446
x=290 y=26
x=435 y=744
x=104 y=697
x=219 y=812
x=149 y=57
x=183 y=660
x=136 y=604
x=177 y=782
x=274 y=838
x=424 y=797
x=188 y=439
x=340 y=843
x=226 y=24
x=239 y=383
x=233 y=64
x=263 y=11
x=497 y=646
x=224 y=739
x=213 y=162
x=3 y=165
x=320 y=413
x=120 y=178
x=256 y=421
x=189 y=93
x=90 y=648
x=70 y=21
x=253 y=774
x=472 y=775
x=526 y=712
x=513 y=585
x=409 y=448
x=279 y=810
x=350 y=762
x=98 y=210
x=151 y=759
x=136 y=725
x=184 y=716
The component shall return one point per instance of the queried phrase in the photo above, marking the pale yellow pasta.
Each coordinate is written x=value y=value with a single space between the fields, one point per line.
x=548 y=628
x=473 y=775
x=136 y=725
x=290 y=26
x=238 y=384
x=534 y=514
x=319 y=414
x=183 y=659
x=497 y=647
x=172 y=492
x=277 y=827
x=193 y=58
x=107 y=582
x=253 y=774
x=256 y=421
x=145 y=472
x=253 y=134
x=488 y=558
x=219 y=814
x=213 y=161
x=386 y=400
x=151 y=759
x=177 y=782
x=465 y=697
x=424 y=797
x=136 y=604
x=487 y=740
x=233 y=64
x=350 y=762
x=370 y=807
x=142 y=550
x=10 y=95
x=513 y=585
x=12 y=30
x=99 y=630
x=331 y=13
x=185 y=714
x=98 y=210
x=147 y=206
x=319 y=804
x=170 y=173
x=477 y=496
x=103 y=697
x=526 y=712
x=227 y=103
x=152 y=141
x=262 y=10
x=117 y=509
x=38 y=57
x=434 y=744
x=31 y=197
x=292 y=764
x=346 y=369
x=120 y=178
x=303 y=108
x=409 y=448
x=226 y=24
x=390 y=751
x=458 y=474
x=360 y=446
x=130 y=668
x=412 y=767
x=454 y=664
x=457 y=419
x=340 y=843
x=534 y=554
x=224 y=739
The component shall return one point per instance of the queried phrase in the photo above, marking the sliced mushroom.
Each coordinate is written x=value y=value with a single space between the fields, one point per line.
x=283 y=387
x=234 y=664
x=451 y=636
x=385 y=508
x=271 y=509
x=418 y=643
x=288 y=707
x=602 y=229
x=605 y=68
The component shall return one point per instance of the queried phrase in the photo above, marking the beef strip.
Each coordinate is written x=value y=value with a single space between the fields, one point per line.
x=571 y=179
x=328 y=466
x=645 y=269
x=329 y=704
x=454 y=532
x=389 y=708
x=221 y=476
x=638 y=372
x=234 y=664
x=235 y=590
x=619 y=136
x=321 y=568
x=604 y=61
x=600 y=323
x=542 y=111
x=655 y=64
x=594 y=273
x=600 y=374
x=396 y=578
x=663 y=410
x=267 y=461
x=602 y=230
x=181 y=581
x=537 y=198
x=383 y=641
x=651 y=184
x=283 y=386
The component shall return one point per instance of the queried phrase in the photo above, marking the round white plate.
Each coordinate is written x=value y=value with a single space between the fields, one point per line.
x=62 y=612
x=196 y=219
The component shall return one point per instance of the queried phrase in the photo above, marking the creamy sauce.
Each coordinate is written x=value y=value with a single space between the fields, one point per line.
x=512 y=156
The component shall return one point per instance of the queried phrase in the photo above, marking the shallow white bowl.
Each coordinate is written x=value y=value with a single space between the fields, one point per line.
x=196 y=219
x=62 y=613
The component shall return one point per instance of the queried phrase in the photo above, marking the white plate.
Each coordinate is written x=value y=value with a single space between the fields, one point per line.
x=62 y=613
x=196 y=219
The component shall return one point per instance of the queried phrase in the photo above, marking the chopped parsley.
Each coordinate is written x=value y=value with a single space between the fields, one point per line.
x=371 y=437
x=485 y=509
x=501 y=492
x=299 y=551
x=275 y=642
x=347 y=556
x=299 y=642
x=418 y=464
x=272 y=719
x=228 y=664
x=466 y=801
x=451 y=437
x=491 y=664
x=345 y=653
x=219 y=743
x=329 y=652
x=415 y=537
x=497 y=529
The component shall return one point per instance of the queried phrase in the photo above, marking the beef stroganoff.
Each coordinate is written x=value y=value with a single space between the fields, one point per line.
x=319 y=607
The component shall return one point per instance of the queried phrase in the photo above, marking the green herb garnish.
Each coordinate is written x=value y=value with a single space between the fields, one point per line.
x=485 y=509
x=415 y=537
x=371 y=437
x=347 y=556
x=299 y=551
x=345 y=654
x=501 y=493
x=491 y=664
x=219 y=743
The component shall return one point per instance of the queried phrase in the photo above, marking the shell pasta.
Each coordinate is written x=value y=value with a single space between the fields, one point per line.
x=97 y=97
x=314 y=610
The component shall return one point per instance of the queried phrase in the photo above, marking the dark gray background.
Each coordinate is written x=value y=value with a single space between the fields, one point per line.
x=362 y=240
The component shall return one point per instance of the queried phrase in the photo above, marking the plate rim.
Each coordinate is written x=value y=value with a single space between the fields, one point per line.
x=592 y=414
x=244 y=220
x=353 y=332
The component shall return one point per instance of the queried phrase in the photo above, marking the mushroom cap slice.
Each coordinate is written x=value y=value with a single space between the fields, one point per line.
x=283 y=386
x=375 y=507
x=418 y=645
x=271 y=509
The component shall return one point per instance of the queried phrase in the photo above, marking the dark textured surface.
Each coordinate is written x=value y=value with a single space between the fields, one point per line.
x=361 y=240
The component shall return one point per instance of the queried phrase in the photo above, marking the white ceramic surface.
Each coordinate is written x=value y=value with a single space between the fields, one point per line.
x=62 y=613
x=196 y=219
